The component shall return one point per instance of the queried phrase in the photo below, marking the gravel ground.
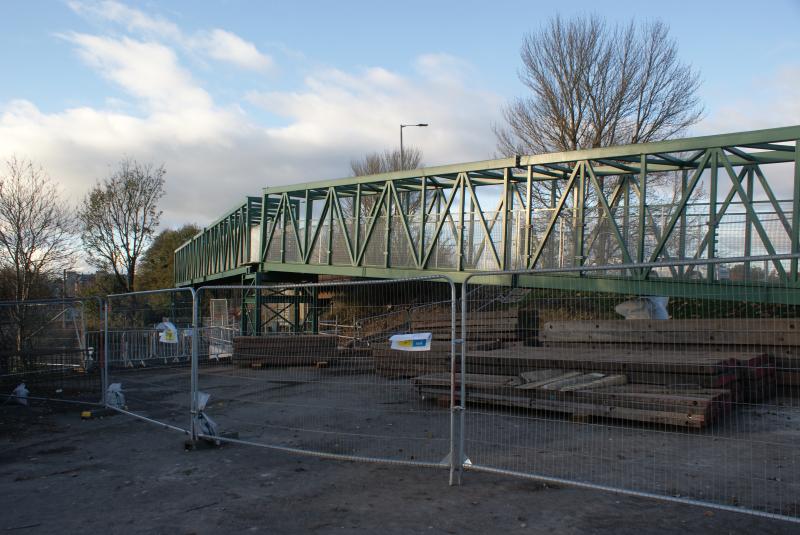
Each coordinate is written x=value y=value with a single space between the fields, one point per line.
x=116 y=474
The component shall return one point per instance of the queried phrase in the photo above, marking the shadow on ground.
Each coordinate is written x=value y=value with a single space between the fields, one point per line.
x=119 y=475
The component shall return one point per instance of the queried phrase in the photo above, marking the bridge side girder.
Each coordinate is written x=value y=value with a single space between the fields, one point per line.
x=570 y=209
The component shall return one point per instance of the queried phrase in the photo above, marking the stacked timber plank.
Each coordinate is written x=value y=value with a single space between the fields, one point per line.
x=675 y=372
x=683 y=332
x=679 y=388
x=773 y=344
x=380 y=326
x=496 y=326
x=403 y=364
x=702 y=369
x=350 y=361
x=787 y=365
x=490 y=332
x=585 y=396
x=750 y=375
x=282 y=350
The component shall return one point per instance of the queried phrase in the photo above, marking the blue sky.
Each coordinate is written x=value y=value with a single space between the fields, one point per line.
x=232 y=95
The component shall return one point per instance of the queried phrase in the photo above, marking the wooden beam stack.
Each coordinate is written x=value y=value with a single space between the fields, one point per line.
x=491 y=331
x=282 y=350
x=702 y=369
x=586 y=396
x=772 y=344
x=682 y=332
x=482 y=326
x=351 y=361
x=404 y=364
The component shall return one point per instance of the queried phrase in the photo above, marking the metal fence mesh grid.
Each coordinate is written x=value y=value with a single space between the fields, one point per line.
x=310 y=368
x=699 y=407
x=691 y=395
x=47 y=346
x=149 y=347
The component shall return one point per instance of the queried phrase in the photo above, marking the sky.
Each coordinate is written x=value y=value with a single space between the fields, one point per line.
x=231 y=96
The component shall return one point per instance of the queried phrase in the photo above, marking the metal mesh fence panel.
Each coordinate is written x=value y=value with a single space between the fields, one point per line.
x=47 y=347
x=311 y=368
x=679 y=389
x=149 y=347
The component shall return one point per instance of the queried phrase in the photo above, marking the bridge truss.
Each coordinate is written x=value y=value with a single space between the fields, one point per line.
x=645 y=207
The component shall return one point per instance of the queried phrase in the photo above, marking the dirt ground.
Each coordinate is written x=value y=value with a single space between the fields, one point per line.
x=61 y=474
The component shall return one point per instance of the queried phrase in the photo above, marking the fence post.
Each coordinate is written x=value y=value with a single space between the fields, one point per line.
x=106 y=353
x=463 y=389
x=453 y=302
x=195 y=359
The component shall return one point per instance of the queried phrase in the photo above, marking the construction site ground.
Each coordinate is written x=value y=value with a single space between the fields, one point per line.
x=116 y=474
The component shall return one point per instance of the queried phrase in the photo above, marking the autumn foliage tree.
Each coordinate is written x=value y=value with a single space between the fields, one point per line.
x=157 y=265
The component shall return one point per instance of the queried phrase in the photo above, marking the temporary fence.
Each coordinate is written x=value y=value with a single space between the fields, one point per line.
x=46 y=352
x=645 y=380
x=677 y=382
x=273 y=372
x=148 y=339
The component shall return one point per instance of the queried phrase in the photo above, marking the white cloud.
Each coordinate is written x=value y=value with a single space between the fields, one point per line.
x=216 y=155
x=226 y=46
x=147 y=70
x=217 y=44
x=444 y=68
x=365 y=110
x=132 y=19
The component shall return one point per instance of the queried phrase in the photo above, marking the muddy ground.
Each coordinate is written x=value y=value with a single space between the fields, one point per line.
x=61 y=474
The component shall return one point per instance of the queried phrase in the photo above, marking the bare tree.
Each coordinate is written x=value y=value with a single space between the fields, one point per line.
x=36 y=228
x=36 y=243
x=119 y=217
x=387 y=161
x=593 y=85
x=376 y=163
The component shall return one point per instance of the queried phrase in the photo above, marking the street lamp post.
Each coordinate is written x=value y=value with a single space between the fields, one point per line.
x=402 y=155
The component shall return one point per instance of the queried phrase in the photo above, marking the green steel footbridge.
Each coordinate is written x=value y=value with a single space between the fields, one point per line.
x=667 y=213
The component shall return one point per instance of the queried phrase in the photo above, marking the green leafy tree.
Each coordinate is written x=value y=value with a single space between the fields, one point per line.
x=157 y=265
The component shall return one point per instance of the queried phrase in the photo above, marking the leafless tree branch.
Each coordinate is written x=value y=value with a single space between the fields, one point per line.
x=594 y=85
x=376 y=163
x=36 y=227
x=119 y=217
